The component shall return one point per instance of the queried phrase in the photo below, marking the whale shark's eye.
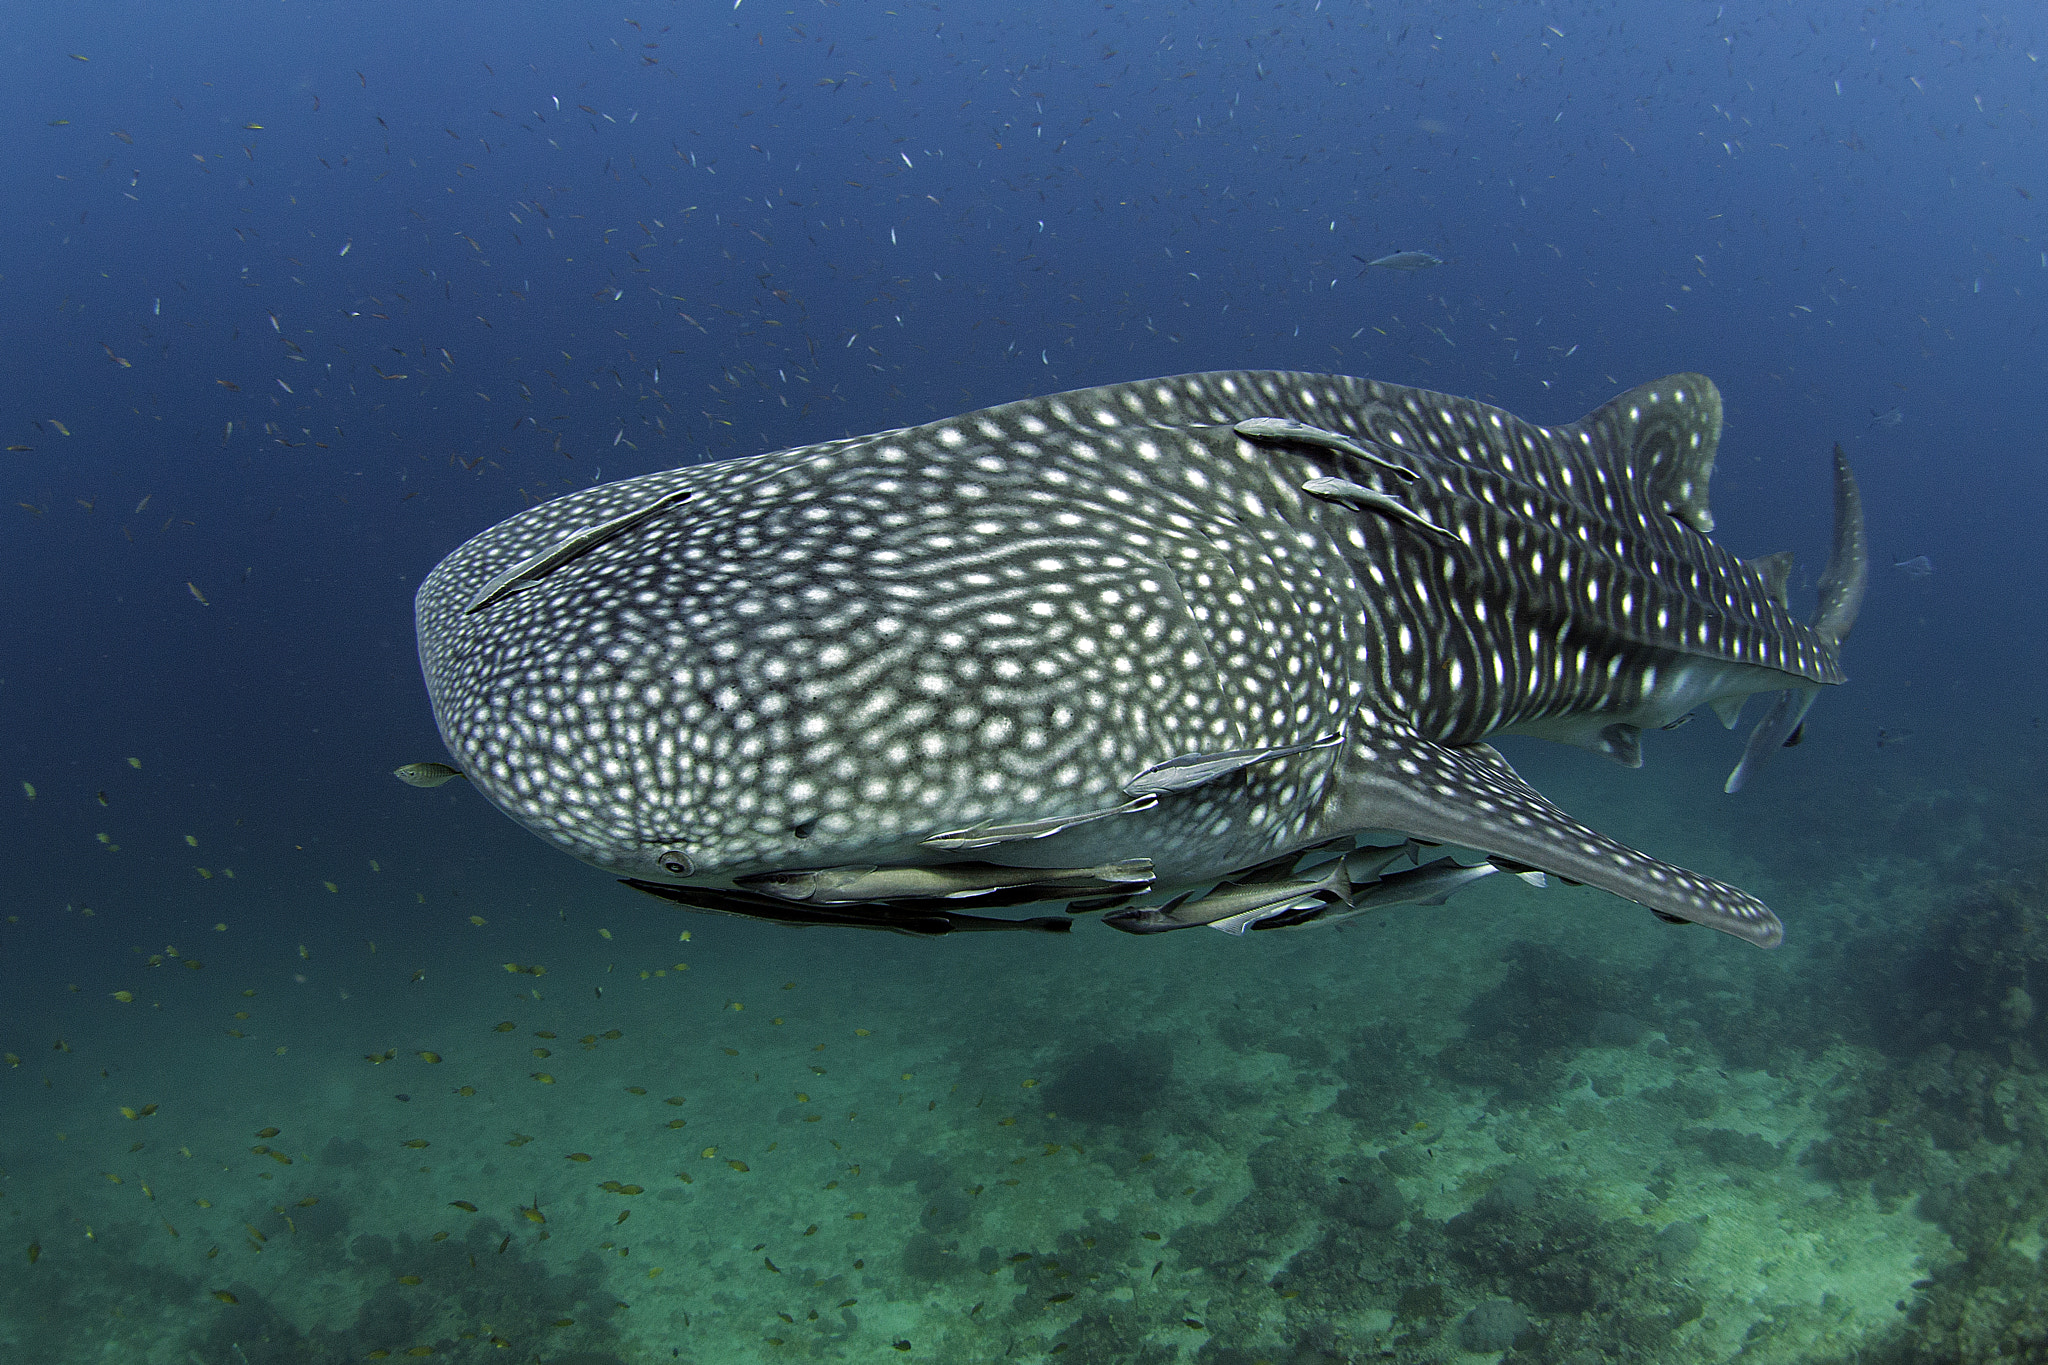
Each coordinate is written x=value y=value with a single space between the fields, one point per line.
x=676 y=864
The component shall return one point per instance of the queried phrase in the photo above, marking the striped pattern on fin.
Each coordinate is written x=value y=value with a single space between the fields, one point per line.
x=1469 y=795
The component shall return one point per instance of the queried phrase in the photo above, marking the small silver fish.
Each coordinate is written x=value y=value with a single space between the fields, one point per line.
x=1402 y=260
x=1891 y=417
x=1919 y=566
x=426 y=774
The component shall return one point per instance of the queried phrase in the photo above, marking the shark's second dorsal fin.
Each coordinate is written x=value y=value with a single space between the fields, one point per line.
x=1776 y=571
x=1659 y=437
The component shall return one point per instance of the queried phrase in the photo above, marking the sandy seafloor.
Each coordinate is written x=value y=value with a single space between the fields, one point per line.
x=1331 y=1145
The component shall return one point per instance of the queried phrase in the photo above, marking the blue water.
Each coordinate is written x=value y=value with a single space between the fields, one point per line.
x=303 y=295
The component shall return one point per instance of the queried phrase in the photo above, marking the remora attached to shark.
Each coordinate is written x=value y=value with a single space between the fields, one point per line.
x=1140 y=638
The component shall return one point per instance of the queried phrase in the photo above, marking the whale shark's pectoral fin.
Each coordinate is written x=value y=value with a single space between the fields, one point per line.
x=1468 y=795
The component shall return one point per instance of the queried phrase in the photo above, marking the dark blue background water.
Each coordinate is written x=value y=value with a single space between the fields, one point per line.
x=316 y=291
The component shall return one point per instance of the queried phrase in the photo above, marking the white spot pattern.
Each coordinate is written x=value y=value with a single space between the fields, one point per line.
x=1003 y=616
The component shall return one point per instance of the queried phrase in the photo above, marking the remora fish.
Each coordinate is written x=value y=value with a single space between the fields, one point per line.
x=1285 y=608
x=956 y=881
x=1235 y=908
x=1432 y=883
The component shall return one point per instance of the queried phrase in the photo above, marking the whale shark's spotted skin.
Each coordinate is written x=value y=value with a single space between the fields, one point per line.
x=977 y=633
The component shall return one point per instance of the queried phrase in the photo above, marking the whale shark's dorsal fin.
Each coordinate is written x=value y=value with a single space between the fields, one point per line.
x=1776 y=572
x=1673 y=459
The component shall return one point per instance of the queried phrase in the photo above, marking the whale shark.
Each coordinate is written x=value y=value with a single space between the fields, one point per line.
x=1106 y=648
